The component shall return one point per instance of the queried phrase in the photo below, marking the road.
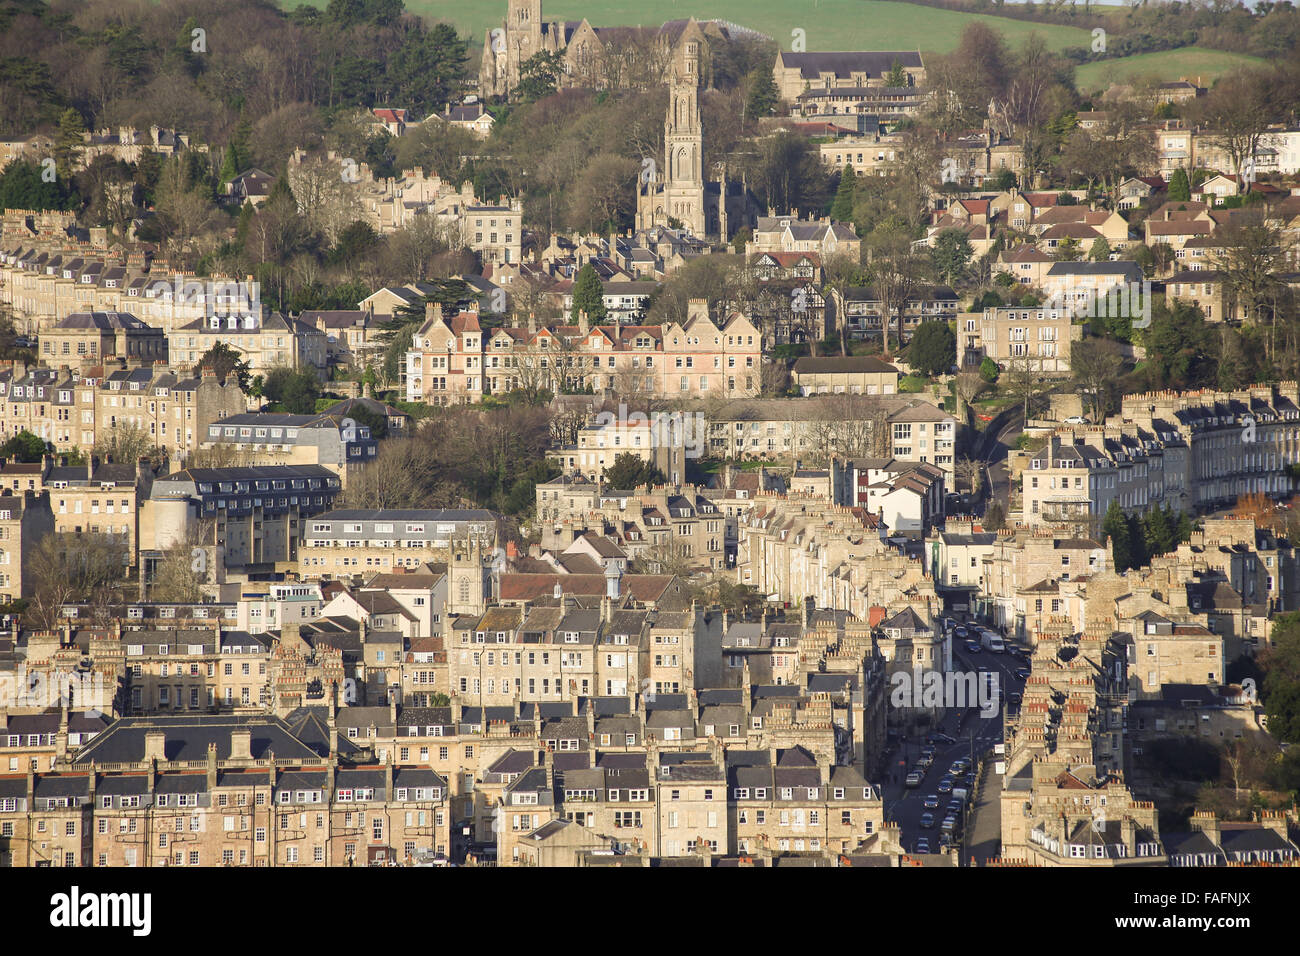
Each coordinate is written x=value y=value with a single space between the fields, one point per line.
x=974 y=735
x=992 y=450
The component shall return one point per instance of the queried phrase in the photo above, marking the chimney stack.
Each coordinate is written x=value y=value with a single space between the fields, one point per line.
x=155 y=746
x=241 y=744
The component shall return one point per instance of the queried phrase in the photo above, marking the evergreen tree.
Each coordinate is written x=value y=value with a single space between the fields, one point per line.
x=1157 y=531
x=229 y=164
x=842 y=207
x=68 y=142
x=24 y=447
x=1100 y=251
x=22 y=186
x=1180 y=189
x=1137 y=543
x=588 y=296
x=741 y=239
x=224 y=362
x=933 y=349
x=763 y=94
x=628 y=471
x=951 y=255
x=539 y=76
x=896 y=76
x=1115 y=527
x=1067 y=250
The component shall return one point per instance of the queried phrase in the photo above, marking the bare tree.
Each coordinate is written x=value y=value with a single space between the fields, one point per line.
x=604 y=193
x=183 y=210
x=774 y=376
x=186 y=566
x=1025 y=382
x=971 y=472
x=1096 y=364
x=898 y=272
x=847 y=426
x=70 y=568
x=1253 y=253
x=667 y=555
x=968 y=387
x=533 y=297
x=125 y=442
x=840 y=270
x=393 y=479
x=1236 y=113
x=325 y=199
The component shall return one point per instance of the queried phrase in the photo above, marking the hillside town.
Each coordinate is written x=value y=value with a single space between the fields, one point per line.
x=582 y=444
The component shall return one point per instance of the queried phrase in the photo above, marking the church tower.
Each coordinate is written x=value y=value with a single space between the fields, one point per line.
x=683 y=175
x=468 y=579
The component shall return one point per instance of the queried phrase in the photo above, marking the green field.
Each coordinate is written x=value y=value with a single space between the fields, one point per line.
x=1189 y=62
x=828 y=24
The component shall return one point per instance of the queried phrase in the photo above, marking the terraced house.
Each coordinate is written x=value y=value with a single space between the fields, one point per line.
x=222 y=792
x=453 y=361
x=355 y=541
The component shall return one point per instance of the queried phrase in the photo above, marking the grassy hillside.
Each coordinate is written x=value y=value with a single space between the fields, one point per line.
x=829 y=24
x=1189 y=62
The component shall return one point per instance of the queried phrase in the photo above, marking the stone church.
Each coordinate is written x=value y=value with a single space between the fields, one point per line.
x=525 y=32
x=677 y=194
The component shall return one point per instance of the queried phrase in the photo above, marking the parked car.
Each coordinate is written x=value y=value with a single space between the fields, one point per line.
x=914 y=779
x=955 y=806
x=1076 y=420
x=922 y=845
x=940 y=738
